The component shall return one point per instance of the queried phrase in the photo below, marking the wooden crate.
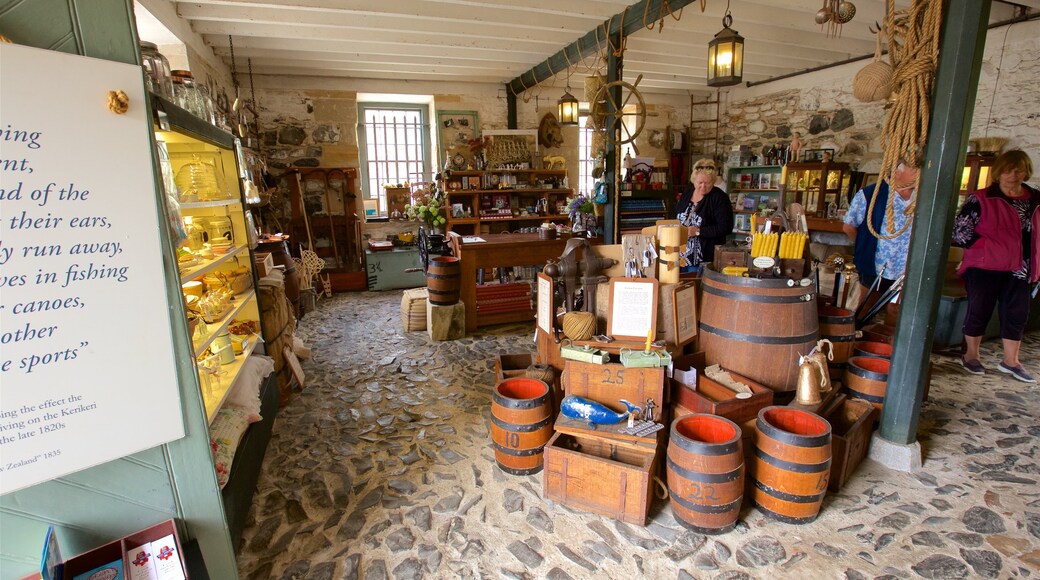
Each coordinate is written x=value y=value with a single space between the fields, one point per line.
x=609 y=383
x=605 y=476
x=851 y=430
x=508 y=366
x=711 y=397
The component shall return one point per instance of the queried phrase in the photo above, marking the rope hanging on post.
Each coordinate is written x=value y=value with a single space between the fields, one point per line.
x=906 y=126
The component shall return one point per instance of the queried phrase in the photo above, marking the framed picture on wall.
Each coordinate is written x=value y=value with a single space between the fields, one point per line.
x=455 y=129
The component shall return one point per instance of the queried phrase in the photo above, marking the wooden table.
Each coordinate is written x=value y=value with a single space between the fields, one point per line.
x=499 y=250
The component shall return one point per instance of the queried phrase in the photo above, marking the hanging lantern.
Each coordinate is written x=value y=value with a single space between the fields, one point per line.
x=568 y=108
x=726 y=56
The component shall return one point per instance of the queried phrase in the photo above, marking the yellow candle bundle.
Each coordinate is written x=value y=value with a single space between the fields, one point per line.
x=792 y=244
x=764 y=244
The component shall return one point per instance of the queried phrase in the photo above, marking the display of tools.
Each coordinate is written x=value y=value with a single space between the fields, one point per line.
x=792 y=245
x=641 y=428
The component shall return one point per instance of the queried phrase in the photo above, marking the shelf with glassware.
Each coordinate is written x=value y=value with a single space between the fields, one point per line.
x=215 y=261
x=513 y=197
x=818 y=187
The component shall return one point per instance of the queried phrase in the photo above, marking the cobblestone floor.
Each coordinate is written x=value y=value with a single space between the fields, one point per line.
x=382 y=468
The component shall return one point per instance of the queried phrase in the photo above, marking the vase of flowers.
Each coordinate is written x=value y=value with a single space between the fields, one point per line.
x=428 y=206
x=583 y=218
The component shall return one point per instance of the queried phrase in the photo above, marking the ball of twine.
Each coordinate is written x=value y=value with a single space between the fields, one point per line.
x=579 y=325
x=544 y=373
x=873 y=82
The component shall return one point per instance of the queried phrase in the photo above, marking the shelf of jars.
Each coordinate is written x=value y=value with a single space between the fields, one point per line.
x=243 y=305
x=215 y=380
x=191 y=271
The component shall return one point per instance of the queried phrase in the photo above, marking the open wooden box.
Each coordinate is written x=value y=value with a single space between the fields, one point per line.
x=117 y=551
x=851 y=424
x=601 y=475
x=508 y=366
x=711 y=397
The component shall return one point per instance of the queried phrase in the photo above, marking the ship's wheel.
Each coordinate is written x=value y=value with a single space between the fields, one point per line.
x=628 y=109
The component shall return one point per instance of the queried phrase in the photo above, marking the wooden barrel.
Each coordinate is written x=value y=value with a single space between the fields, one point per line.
x=792 y=464
x=442 y=280
x=705 y=473
x=758 y=327
x=838 y=325
x=521 y=424
x=874 y=349
x=867 y=378
x=280 y=256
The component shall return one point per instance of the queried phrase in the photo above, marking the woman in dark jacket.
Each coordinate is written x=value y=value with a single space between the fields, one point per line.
x=999 y=229
x=708 y=215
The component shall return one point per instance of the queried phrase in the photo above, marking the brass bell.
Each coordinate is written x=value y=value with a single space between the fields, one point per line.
x=810 y=375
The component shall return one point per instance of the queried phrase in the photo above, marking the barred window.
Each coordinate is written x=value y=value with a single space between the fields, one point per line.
x=394 y=143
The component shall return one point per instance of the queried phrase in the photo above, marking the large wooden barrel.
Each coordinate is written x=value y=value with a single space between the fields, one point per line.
x=838 y=325
x=867 y=378
x=521 y=424
x=705 y=473
x=792 y=464
x=280 y=256
x=758 y=327
x=442 y=280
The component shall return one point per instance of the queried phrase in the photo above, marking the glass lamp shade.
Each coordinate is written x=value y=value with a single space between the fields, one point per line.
x=568 y=109
x=725 y=57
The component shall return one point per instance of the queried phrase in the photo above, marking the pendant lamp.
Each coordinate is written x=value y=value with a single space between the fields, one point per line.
x=568 y=105
x=726 y=55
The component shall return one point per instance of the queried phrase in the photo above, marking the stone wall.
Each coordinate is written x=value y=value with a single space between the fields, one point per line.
x=821 y=106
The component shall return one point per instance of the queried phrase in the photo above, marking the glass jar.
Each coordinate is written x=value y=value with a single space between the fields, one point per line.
x=196 y=233
x=155 y=64
x=186 y=94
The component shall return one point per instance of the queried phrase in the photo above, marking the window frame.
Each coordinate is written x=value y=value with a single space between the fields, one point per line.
x=425 y=148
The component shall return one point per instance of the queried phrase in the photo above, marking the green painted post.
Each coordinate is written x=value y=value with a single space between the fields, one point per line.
x=960 y=58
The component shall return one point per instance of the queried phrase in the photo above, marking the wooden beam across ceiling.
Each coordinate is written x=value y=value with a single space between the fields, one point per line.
x=628 y=22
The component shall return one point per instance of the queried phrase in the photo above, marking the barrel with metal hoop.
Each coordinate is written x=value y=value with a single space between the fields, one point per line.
x=792 y=464
x=758 y=327
x=521 y=424
x=705 y=473
x=442 y=280
x=838 y=325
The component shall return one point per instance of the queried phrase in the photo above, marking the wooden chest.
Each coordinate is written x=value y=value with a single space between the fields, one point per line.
x=851 y=424
x=609 y=383
x=606 y=476
x=711 y=397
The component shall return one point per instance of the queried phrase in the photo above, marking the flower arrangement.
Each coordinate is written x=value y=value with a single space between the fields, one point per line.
x=579 y=204
x=428 y=206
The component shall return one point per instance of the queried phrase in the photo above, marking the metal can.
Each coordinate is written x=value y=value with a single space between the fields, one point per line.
x=223 y=348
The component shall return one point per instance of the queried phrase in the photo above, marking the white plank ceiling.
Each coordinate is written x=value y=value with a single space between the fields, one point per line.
x=494 y=41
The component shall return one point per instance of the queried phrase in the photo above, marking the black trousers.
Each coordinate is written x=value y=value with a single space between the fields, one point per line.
x=987 y=288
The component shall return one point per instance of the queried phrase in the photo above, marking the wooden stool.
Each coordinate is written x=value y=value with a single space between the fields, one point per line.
x=446 y=322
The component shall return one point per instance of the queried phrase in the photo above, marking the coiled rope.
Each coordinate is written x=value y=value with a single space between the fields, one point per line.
x=914 y=50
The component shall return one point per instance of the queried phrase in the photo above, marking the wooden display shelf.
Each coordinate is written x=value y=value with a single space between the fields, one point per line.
x=220 y=386
x=209 y=204
x=210 y=265
x=773 y=190
x=215 y=328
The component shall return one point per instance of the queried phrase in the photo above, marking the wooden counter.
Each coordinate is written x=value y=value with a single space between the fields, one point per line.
x=823 y=224
x=499 y=250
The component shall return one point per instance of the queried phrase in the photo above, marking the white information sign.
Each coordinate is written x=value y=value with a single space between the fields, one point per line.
x=87 y=369
x=545 y=303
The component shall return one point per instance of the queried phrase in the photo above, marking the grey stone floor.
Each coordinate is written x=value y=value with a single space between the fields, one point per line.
x=382 y=468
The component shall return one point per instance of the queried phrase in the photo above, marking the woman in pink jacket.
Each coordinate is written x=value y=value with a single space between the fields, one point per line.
x=999 y=229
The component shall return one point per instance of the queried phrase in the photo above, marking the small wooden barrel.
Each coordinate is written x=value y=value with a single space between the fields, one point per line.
x=838 y=325
x=705 y=473
x=442 y=280
x=792 y=464
x=867 y=378
x=757 y=328
x=873 y=349
x=521 y=424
